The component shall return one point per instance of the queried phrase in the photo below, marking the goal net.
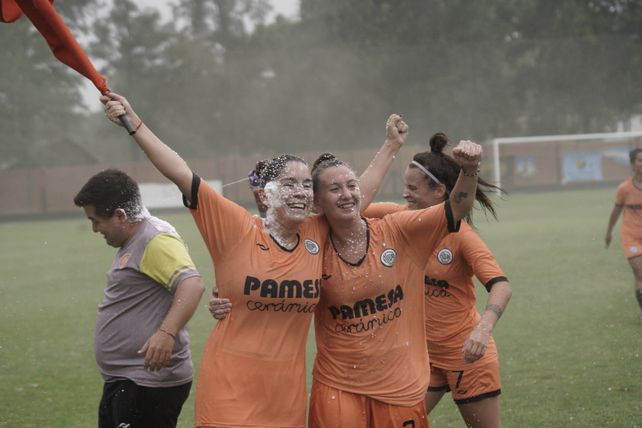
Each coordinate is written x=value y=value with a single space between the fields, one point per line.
x=552 y=161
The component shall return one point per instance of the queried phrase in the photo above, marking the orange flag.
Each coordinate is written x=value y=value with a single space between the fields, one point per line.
x=62 y=43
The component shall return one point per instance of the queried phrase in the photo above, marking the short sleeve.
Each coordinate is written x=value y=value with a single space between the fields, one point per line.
x=381 y=209
x=620 y=195
x=221 y=222
x=481 y=259
x=167 y=261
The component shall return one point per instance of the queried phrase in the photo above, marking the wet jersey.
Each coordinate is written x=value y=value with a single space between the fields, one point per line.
x=140 y=289
x=252 y=372
x=451 y=313
x=630 y=198
x=369 y=324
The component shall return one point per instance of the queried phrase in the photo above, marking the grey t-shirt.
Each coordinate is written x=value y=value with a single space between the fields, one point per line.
x=140 y=288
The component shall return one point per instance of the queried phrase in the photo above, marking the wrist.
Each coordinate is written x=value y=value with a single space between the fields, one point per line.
x=471 y=171
x=167 y=332
x=136 y=127
x=392 y=144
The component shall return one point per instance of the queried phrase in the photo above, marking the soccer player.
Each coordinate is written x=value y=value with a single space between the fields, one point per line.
x=253 y=368
x=463 y=355
x=371 y=368
x=628 y=199
x=153 y=289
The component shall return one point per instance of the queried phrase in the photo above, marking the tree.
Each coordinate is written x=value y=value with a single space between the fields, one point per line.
x=39 y=96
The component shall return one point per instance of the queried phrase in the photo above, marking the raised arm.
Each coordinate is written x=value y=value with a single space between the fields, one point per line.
x=467 y=154
x=371 y=179
x=166 y=160
x=615 y=214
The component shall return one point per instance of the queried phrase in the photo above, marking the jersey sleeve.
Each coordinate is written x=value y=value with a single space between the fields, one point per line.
x=421 y=230
x=222 y=223
x=381 y=209
x=620 y=195
x=481 y=259
x=167 y=261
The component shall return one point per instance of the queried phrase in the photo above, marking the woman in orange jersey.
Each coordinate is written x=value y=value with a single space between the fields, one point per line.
x=463 y=356
x=628 y=199
x=252 y=372
x=371 y=368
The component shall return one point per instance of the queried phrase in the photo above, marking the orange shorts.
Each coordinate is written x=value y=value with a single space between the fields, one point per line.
x=333 y=408
x=632 y=246
x=473 y=383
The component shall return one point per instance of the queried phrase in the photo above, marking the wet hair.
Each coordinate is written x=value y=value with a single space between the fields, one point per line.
x=446 y=170
x=323 y=162
x=633 y=154
x=110 y=190
x=269 y=170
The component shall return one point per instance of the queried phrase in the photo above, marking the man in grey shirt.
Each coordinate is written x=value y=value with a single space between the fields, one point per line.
x=153 y=289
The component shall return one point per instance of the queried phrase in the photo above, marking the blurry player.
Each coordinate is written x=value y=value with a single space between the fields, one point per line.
x=629 y=199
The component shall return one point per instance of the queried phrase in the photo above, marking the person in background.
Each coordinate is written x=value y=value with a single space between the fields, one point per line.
x=153 y=289
x=463 y=355
x=628 y=200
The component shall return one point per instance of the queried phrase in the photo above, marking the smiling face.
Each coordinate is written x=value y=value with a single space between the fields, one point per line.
x=338 y=195
x=113 y=229
x=289 y=197
x=417 y=193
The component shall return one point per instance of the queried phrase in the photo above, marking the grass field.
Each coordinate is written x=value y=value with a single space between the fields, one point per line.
x=570 y=342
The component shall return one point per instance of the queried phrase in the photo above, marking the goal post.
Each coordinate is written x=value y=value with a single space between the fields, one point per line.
x=550 y=161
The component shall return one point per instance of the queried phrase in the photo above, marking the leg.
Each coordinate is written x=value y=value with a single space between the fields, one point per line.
x=476 y=391
x=481 y=414
x=160 y=407
x=118 y=405
x=433 y=398
x=437 y=388
x=636 y=265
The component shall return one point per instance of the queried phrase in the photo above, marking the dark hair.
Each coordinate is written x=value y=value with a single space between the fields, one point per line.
x=323 y=162
x=269 y=170
x=110 y=190
x=633 y=154
x=446 y=170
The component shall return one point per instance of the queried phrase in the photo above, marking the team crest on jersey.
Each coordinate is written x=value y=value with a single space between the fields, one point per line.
x=388 y=257
x=311 y=246
x=634 y=249
x=122 y=262
x=445 y=256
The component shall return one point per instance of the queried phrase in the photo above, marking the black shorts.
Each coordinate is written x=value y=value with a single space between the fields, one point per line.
x=127 y=405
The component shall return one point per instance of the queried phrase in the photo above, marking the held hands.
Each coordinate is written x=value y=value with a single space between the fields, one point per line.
x=157 y=350
x=396 y=130
x=475 y=345
x=219 y=308
x=116 y=106
x=468 y=155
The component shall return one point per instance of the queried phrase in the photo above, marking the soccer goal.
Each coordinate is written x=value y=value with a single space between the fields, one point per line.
x=551 y=161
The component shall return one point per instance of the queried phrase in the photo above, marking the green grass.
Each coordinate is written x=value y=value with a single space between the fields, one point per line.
x=570 y=341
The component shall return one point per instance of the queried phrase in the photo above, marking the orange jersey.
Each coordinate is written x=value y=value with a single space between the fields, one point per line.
x=451 y=313
x=252 y=372
x=630 y=198
x=450 y=292
x=369 y=324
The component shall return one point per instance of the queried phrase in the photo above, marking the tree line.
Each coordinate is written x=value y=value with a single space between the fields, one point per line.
x=219 y=79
